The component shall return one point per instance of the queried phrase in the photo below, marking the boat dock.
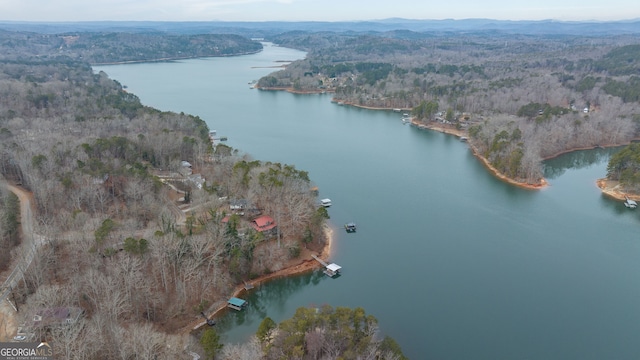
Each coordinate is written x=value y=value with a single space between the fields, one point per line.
x=330 y=270
x=236 y=303
x=630 y=203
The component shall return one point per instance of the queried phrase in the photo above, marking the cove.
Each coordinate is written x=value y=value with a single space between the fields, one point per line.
x=454 y=263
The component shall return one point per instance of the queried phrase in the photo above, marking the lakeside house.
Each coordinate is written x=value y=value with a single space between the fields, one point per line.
x=264 y=224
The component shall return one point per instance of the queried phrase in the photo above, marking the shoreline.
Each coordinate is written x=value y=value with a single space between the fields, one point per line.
x=460 y=133
x=616 y=193
x=169 y=59
x=304 y=266
x=291 y=90
x=614 y=190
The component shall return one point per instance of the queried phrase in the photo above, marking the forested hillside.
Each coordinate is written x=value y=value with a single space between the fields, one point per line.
x=115 y=47
x=9 y=227
x=624 y=166
x=318 y=333
x=521 y=98
x=116 y=241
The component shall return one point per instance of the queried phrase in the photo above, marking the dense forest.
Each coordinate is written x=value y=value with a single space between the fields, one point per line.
x=313 y=333
x=127 y=234
x=521 y=98
x=115 y=47
x=624 y=166
x=9 y=226
x=326 y=333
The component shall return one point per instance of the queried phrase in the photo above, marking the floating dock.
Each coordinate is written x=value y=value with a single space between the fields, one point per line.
x=350 y=227
x=630 y=203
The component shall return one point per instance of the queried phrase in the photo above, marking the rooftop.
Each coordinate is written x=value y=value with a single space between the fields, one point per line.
x=263 y=223
x=237 y=302
x=334 y=267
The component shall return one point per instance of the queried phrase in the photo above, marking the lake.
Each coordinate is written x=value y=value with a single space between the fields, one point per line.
x=454 y=263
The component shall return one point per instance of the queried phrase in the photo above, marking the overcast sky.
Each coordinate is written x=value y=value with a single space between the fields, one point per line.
x=317 y=10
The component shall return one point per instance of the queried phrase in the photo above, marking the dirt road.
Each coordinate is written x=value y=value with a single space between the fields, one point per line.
x=8 y=319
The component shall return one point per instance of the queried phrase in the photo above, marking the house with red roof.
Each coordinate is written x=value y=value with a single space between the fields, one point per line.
x=263 y=224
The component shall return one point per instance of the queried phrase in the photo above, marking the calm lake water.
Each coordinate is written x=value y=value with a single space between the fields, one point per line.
x=454 y=263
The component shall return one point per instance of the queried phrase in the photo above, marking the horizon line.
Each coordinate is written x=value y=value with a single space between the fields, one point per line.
x=320 y=21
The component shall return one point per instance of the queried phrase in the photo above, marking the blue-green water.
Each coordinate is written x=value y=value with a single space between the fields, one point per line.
x=454 y=263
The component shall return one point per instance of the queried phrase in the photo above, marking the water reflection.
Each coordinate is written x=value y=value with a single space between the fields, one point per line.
x=555 y=167
x=267 y=298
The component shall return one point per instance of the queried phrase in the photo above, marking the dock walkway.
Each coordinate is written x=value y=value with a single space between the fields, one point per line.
x=330 y=270
x=320 y=260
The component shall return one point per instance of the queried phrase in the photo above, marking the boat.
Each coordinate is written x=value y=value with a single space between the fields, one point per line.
x=630 y=203
x=350 y=227
x=325 y=202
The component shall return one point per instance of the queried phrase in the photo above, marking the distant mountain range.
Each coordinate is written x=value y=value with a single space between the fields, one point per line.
x=270 y=28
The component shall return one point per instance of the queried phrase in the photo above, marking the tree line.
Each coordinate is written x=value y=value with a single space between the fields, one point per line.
x=9 y=227
x=491 y=82
x=107 y=177
x=624 y=166
x=312 y=334
x=112 y=47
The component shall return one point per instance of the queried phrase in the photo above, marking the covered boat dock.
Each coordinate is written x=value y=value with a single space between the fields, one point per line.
x=236 y=303
x=331 y=270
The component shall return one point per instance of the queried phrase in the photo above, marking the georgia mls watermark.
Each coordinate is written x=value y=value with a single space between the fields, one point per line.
x=26 y=351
